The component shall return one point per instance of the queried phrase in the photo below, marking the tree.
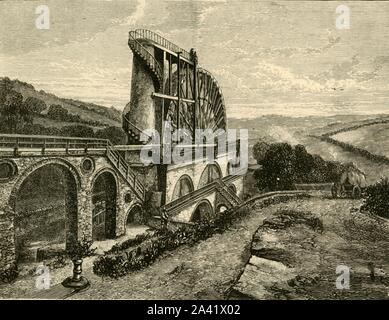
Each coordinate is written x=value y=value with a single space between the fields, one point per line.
x=259 y=151
x=304 y=164
x=57 y=112
x=6 y=86
x=376 y=198
x=114 y=134
x=14 y=114
x=277 y=167
x=35 y=105
x=77 y=131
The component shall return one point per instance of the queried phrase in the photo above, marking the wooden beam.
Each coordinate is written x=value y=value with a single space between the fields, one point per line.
x=172 y=53
x=170 y=74
x=178 y=88
x=168 y=97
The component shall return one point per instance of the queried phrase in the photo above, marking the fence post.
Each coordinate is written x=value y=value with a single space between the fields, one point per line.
x=44 y=146
x=16 y=149
x=86 y=147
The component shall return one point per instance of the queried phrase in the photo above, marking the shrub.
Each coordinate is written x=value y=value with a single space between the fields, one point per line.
x=35 y=105
x=376 y=198
x=57 y=112
x=114 y=134
x=10 y=274
x=130 y=243
x=80 y=249
x=284 y=165
x=59 y=261
x=77 y=131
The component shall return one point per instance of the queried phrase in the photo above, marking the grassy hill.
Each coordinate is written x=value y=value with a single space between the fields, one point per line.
x=88 y=112
x=303 y=130
x=374 y=139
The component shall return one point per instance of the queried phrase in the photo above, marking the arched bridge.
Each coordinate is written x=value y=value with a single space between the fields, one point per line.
x=82 y=186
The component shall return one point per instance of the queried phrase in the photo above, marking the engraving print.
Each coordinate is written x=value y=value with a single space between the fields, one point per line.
x=194 y=150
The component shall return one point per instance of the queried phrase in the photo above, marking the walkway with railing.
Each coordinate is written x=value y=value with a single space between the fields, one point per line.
x=219 y=185
x=158 y=39
x=135 y=43
x=15 y=145
x=137 y=47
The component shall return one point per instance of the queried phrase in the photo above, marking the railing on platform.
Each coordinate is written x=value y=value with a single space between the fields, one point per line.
x=224 y=190
x=65 y=145
x=43 y=143
x=158 y=39
x=177 y=204
x=136 y=46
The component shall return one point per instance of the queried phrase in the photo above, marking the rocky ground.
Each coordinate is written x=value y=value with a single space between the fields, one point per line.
x=209 y=269
x=296 y=252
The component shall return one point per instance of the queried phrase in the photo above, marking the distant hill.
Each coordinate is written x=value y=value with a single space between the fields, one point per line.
x=89 y=113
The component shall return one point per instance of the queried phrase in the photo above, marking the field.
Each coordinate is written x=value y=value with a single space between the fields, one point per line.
x=87 y=111
x=374 y=139
x=304 y=130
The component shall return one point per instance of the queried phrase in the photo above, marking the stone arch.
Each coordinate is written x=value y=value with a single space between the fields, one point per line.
x=105 y=192
x=24 y=175
x=133 y=214
x=203 y=211
x=211 y=172
x=45 y=202
x=232 y=188
x=183 y=186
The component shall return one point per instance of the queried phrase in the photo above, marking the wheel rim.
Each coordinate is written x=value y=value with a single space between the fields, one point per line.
x=210 y=111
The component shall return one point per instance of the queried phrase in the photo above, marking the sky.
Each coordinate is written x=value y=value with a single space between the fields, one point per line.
x=270 y=57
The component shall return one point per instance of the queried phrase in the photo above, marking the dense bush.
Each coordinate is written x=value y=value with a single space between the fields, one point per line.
x=80 y=249
x=9 y=275
x=35 y=105
x=282 y=166
x=114 y=134
x=57 y=112
x=376 y=198
x=14 y=114
x=77 y=131
x=130 y=242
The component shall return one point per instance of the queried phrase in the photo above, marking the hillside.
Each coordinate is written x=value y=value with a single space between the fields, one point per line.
x=304 y=130
x=374 y=139
x=88 y=112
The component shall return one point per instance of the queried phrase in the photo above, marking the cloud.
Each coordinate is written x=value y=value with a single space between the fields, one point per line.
x=283 y=79
x=137 y=15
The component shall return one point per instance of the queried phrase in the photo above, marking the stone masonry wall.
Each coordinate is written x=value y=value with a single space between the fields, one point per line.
x=84 y=181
